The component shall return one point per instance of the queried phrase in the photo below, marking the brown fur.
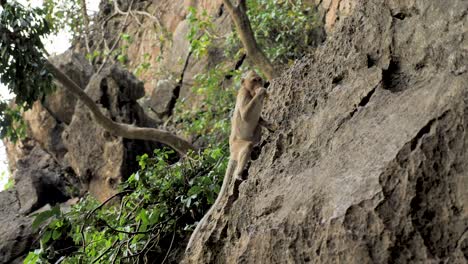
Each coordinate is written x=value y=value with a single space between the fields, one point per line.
x=245 y=133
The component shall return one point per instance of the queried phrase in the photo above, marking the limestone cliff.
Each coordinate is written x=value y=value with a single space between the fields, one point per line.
x=369 y=162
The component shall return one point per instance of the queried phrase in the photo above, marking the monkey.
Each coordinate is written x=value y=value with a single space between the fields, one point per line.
x=245 y=134
x=245 y=128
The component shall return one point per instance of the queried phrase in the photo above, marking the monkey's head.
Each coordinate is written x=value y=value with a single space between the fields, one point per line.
x=251 y=81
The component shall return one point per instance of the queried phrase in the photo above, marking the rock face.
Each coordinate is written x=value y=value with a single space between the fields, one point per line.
x=66 y=151
x=99 y=158
x=369 y=164
x=16 y=232
x=39 y=180
x=161 y=39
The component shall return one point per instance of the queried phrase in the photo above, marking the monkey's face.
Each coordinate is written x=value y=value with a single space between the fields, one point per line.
x=252 y=82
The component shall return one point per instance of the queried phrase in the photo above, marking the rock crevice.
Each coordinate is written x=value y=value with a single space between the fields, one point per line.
x=369 y=162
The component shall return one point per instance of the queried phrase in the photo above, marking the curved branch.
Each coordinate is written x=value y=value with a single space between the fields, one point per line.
x=119 y=129
x=244 y=29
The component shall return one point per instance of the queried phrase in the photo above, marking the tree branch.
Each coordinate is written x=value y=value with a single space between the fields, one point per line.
x=138 y=12
x=254 y=54
x=119 y=129
x=84 y=13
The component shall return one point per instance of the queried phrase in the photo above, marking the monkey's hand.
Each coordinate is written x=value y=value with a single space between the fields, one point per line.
x=269 y=126
x=260 y=91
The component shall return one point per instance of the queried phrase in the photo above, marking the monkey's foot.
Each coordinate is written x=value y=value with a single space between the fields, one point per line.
x=238 y=178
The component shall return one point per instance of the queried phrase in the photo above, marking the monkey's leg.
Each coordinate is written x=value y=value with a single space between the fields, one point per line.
x=243 y=158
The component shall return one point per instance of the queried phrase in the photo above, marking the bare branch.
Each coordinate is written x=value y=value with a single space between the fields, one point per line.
x=138 y=12
x=119 y=129
x=170 y=246
x=84 y=13
x=122 y=28
x=254 y=54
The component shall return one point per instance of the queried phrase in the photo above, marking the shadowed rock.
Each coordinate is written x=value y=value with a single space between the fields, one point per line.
x=369 y=162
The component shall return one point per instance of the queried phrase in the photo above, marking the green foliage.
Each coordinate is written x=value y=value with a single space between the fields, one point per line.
x=144 y=66
x=122 y=52
x=44 y=216
x=212 y=120
x=33 y=257
x=199 y=35
x=22 y=63
x=12 y=126
x=165 y=201
x=9 y=184
x=282 y=28
x=64 y=14
x=10 y=181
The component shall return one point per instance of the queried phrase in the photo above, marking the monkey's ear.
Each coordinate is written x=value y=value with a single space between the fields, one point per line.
x=242 y=81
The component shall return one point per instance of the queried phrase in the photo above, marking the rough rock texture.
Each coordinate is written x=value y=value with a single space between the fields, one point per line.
x=61 y=104
x=15 y=230
x=39 y=180
x=99 y=158
x=46 y=121
x=161 y=39
x=164 y=97
x=369 y=164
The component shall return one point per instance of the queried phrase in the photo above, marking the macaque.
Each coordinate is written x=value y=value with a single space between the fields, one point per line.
x=245 y=133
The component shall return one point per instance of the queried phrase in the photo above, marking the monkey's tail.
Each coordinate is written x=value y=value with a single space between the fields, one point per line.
x=201 y=225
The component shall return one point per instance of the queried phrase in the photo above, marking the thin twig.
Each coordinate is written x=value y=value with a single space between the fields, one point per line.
x=105 y=202
x=138 y=232
x=122 y=204
x=122 y=28
x=92 y=212
x=117 y=253
x=138 y=12
x=84 y=13
x=170 y=246
x=105 y=252
x=144 y=248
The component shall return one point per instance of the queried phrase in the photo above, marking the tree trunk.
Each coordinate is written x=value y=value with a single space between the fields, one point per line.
x=84 y=13
x=244 y=29
x=123 y=130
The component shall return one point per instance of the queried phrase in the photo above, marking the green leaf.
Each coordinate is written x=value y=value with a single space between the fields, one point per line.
x=32 y=258
x=40 y=218
x=56 y=234
x=46 y=236
x=143 y=216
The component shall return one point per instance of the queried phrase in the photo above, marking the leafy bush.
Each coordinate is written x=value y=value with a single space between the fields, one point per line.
x=283 y=29
x=164 y=202
x=212 y=120
x=12 y=125
x=60 y=13
x=22 y=63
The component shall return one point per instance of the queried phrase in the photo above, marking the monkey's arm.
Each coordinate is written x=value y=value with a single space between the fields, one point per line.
x=269 y=126
x=247 y=109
